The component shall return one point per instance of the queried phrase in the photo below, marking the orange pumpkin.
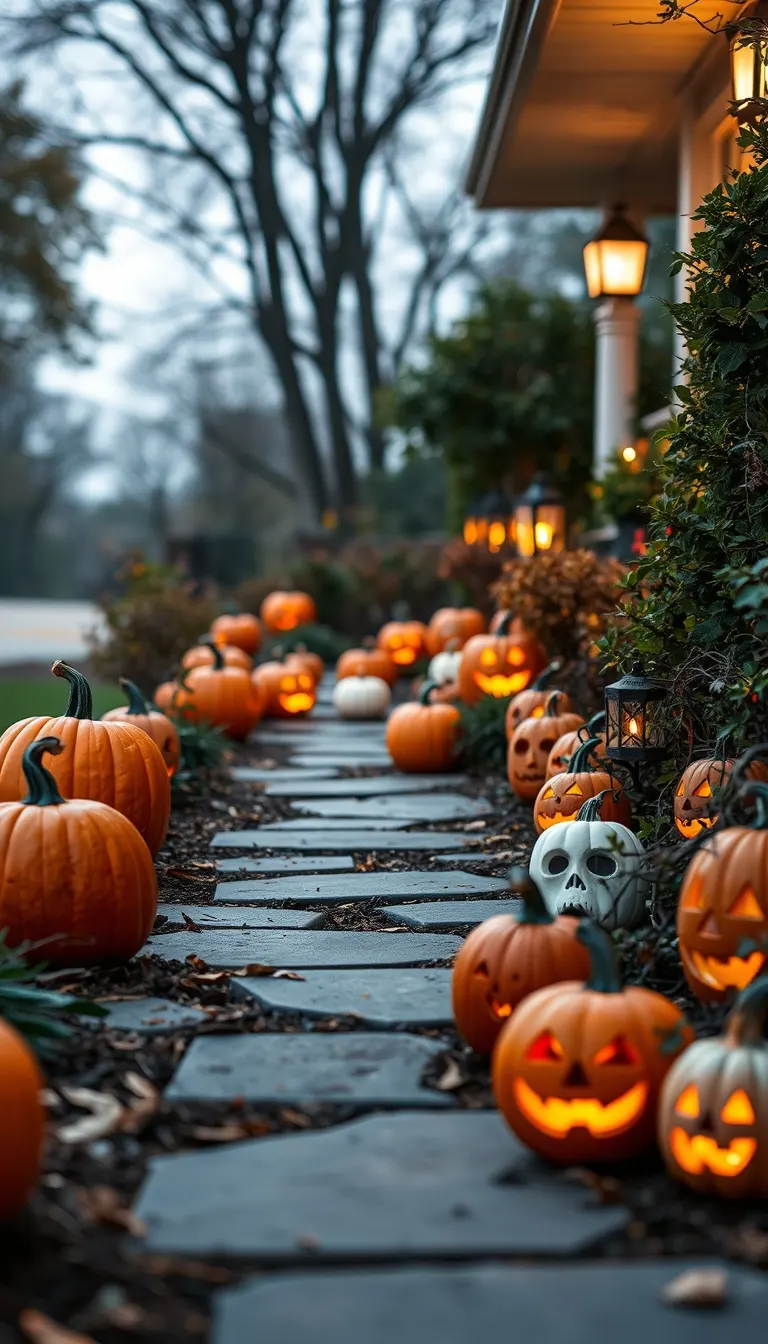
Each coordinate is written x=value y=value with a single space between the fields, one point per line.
x=366 y=663
x=499 y=665
x=421 y=736
x=238 y=632
x=201 y=655
x=285 y=611
x=560 y=755
x=561 y=797
x=22 y=1122
x=531 y=704
x=305 y=661
x=696 y=807
x=530 y=745
x=578 y=1068
x=508 y=957
x=404 y=642
x=285 y=691
x=505 y=620
x=225 y=697
x=114 y=763
x=165 y=695
x=76 y=875
x=160 y=729
x=453 y=625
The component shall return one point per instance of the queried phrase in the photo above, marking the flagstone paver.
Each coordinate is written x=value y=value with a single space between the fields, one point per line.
x=360 y=1068
x=337 y=890
x=448 y=914
x=362 y=788
x=385 y=1187
x=480 y=856
x=346 y=760
x=542 y=1304
x=297 y=950
x=356 y=840
x=150 y=1017
x=310 y=823
x=377 y=998
x=430 y=807
x=289 y=863
x=225 y=916
x=247 y=774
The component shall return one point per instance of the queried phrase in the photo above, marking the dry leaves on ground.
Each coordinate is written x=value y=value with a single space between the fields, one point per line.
x=697 y=1288
x=40 y=1329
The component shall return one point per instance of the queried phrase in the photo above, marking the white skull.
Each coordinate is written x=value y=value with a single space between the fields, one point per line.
x=594 y=868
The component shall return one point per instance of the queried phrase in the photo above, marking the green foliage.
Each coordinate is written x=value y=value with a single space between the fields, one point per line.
x=41 y=1015
x=320 y=639
x=483 y=741
x=622 y=492
x=202 y=753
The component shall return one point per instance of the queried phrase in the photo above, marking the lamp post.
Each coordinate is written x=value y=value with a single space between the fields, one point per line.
x=749 y=70
x=491 y=523
x=540 y=518
x=614 y=262
x=634 y=721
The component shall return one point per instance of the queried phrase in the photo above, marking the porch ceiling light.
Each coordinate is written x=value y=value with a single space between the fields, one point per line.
x=614 y=260
x=749 y=71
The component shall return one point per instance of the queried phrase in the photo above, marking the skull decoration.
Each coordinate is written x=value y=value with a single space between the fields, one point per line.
x=696 y=794
x=713 y=1109
x=403 y=641
x=592 y=867
x=530 y=745
x=578 y=1067
x=500 y=664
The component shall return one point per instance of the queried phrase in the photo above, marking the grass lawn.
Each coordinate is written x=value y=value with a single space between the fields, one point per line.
x=48 y=695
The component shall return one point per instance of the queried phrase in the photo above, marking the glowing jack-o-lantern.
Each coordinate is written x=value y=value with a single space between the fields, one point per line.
x=560 y=756
x=285 y=690
x=560 y=799
x=454 y=626
x=696 y=805
x=530 y=745
x=404 y=642
x=508 y=957
x=532 y=703
x=578 y=1067
x=286 y=611
x=499 y=665
x=713 y=1109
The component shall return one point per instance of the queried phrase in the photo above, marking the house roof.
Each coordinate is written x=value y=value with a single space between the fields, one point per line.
x=584 y=104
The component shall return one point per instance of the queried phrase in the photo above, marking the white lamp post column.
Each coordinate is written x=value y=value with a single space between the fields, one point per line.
x=617 y=322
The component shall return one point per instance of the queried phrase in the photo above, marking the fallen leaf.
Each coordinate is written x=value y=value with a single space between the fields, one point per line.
x=451 y=1078
x=292 y=1117
x=166 y=1265
x=190 y=923
x=139 y=1112
x=196 y=962
x=206 y=978
x=103 y=1205
x=106 y=1112
x=228 y=1133
x=749 y=1243
x=288 y=975
x=41 y=1329
x=697 y=1288
x=474 y=826
x=184 y=877
x=257 y=968
x=607 y=1188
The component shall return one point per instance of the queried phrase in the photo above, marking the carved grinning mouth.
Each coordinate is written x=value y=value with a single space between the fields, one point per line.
x=694 y=825
x=295 y=704
x=557 y=1116
x=555 y=818
x=724 y=972
x=499 y=685
x=695 y=1152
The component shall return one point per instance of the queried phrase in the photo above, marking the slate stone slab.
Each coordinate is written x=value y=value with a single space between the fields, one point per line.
x=289 y=863
x=303 y=727
x=342 y=841
x=150 y=1017
x=247 y=774
x=542 y=1304
x=448 y=914
x=225 y=916
x=363 y=788
x=355 y=1068
x=390 y=1187
x=431 y=807
x=327 y=890
x=309 y=823
x=380 y=999
x=338 y=760
x=299 y=951
x=480 y=856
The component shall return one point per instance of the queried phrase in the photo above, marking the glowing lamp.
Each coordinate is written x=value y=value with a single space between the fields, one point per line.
x=490 y=524
x=634 y=720
x=540 y=518
x=615 y=259
x=749 y=72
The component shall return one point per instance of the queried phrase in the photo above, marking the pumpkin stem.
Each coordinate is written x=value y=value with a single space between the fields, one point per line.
x=80 y=703
x=754 y=788
x=551 y=710
x=603 y=972
x=503 y=627
x=580 y=758
x=534 y=910
x=746 y=1021
x=544 y=678
x=757 y=753
x=136 y=702
x=590 y=811
x=218 y=657
x=596 y=722
x=426 y=690
x=43 y=789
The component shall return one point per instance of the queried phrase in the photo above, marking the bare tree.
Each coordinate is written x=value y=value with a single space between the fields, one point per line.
x=287 y=111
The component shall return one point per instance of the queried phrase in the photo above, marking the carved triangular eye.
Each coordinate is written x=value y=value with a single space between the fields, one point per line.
x=482 y=969
x=515 y=656
x=692 y=896
x=688 y=1101
x=574 y=789
x=680 y=789
x=487 y=658
x=738 y=1109
x=704 y=790
x=746 y=905
x=546 y=1047
x=617 y=1051
x=538 y=712
x=550 y=793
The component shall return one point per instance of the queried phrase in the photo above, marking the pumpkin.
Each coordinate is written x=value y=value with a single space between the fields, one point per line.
x=300 y=658
x=201 y=655
x=696 y=807
x=722 y=911
x=499 y=665
x=422 y=736
x=530 y=704
x=506 y=619
x=444 y=667
x=530 y=745
x=75 y=875
x=362 y=698
x=286 y=611
x=592 y=867
x=284 y=691
x=114 y=763
x=158 y=726
x=165 y=695
x=225 y=697
x=713 y=1109
x=238 y=632
x=509 y=956
x=560 y=755
x=578 y=1068
x=22 y=1122
x=366 y=663
x=453 y=625
x=403 y=641
x=561 y=797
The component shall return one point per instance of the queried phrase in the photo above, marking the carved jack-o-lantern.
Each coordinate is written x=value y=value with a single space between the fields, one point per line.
x=560 y=799
x=722 y=912
x=696 y=807
x=713 y=1109
x=565 y=746
x=286 y=611
x=530 y=704
x=404 y=641
x=578 y=1067
x=285 y=691
x=530 y=745
x=499 y=665
x=453 y=625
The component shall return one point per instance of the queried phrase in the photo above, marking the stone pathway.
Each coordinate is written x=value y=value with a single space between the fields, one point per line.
x=399 y=1173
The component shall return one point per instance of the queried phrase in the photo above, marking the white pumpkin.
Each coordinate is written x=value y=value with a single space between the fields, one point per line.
x=444 y=667
x=592 y=867
x=362 y=698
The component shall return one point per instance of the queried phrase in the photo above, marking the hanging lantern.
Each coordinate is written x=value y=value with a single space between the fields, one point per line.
x=614 y=260
x=634 y=720
x=540 y=518
x=490 y=524
x=749 y=71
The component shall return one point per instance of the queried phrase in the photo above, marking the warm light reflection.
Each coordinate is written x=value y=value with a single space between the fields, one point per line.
x=749 y=64
x=557 y=1116
x=615 y=267
x=543 y=534
x=497 y=535
x=629 y=453
x=470 y=531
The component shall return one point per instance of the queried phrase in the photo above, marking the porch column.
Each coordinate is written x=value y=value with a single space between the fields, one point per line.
x=617 y=322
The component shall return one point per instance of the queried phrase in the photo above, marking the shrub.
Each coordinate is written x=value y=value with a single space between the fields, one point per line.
x=483 y=741
x=471 y=570
x=568 y=599
x=318 y=639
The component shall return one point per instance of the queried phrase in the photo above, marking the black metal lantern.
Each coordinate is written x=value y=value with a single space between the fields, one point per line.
x=540 y=518
x=749 y=70
x=634 y=720
x=491 y=523
x=615 y=259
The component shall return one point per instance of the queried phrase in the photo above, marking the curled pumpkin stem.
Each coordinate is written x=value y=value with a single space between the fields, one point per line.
x=43 y=789
x=80 y=703
x=137 y=704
